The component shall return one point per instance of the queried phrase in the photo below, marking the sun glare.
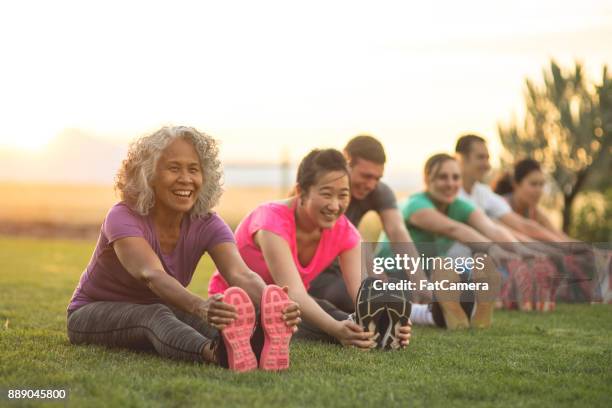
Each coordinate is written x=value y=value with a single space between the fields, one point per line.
x=29 y=138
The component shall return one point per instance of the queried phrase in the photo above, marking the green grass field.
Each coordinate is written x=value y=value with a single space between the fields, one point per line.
x=563 y=358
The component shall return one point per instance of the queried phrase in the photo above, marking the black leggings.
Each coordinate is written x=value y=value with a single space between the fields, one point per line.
x=329 y=285
x=308 y=331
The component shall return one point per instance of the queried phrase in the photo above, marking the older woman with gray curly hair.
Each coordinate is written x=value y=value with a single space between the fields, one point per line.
x=133 y=292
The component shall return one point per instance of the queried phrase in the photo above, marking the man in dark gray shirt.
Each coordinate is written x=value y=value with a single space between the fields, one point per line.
x=366 y=158
x=379 y=199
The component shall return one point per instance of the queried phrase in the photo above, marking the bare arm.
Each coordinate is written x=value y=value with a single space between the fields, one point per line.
x=350 y=265
x=519 y=235
x=231 y=266
x=236 y=273
x=535 y=246
x=543 y=220
x=528 y=227
x=499 y=234
x=282 y=268
x=433 y=221
x=395 y=228
x=396 y=231
x=141 y=262
x=479 y=221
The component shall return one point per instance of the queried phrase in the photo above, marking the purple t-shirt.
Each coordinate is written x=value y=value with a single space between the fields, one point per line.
x=105 y=279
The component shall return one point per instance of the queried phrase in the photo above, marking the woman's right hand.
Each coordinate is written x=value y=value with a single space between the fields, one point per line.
x=217 y=313
x=350 y=334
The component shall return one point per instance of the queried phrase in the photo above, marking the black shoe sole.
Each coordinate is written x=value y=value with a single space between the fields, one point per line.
x=398 y=311
x=370 y=308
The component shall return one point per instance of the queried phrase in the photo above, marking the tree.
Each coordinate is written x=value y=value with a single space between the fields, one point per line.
x=567 y=127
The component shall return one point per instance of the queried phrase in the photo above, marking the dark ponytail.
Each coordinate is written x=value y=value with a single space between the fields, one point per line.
x=503 y=185
x=521 y=170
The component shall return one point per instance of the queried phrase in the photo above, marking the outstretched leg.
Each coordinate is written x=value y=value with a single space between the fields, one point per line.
x=449 y=300
x=141 y=327
x=485 y=299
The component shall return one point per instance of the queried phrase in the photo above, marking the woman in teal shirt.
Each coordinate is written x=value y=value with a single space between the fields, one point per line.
x=437 y=221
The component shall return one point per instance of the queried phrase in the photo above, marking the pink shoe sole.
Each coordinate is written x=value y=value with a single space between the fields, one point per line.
x=545 y=272
x=237 y=336
x=275 y=353
x=522 y=277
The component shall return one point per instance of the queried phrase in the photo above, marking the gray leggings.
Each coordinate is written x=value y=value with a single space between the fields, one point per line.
x=166 y=330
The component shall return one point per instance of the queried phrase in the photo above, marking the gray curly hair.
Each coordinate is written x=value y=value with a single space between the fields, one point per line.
x=137 y=172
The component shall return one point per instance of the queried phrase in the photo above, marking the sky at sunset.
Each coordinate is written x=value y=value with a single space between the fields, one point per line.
x=274 y=78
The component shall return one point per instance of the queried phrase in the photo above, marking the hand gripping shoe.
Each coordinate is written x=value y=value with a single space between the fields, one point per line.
x=237 y=335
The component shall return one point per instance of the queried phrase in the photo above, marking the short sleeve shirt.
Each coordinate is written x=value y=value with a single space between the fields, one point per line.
x=428 y=243
x=380 y=199
x=105 y=278
x=493 y=205
x=279 y=219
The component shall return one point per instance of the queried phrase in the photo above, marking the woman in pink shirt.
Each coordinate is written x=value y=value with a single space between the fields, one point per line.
x=292 y=241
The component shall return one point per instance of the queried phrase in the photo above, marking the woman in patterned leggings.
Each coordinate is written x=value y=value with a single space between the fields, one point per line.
x=133 y=292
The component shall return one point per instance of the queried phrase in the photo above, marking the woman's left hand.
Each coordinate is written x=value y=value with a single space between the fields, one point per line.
x=216 y=312
x=404 y=333
x=291 y=314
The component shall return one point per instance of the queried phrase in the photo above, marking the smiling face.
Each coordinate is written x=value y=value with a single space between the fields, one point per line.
x=475 y=164
x=178 y=177
x=327 y=199
x=444 y=181
x=365 y=175
x=529 y=190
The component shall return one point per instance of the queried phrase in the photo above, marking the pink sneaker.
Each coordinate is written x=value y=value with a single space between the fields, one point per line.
x=237 y=336
x=275 y=353
x=523 y=281
x=545 y=272
x=578 y=276
x=507 y=292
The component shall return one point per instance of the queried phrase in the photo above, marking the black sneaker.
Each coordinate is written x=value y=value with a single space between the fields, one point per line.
x=370 y=309
x=398 y=308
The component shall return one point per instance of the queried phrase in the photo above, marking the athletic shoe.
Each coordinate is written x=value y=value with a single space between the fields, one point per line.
x=483 y=315
x=545 y=273
x=437 y=315
x=522 y=277
x=449 y=302
x=214 y=352
x=371 y=309
x=507 y=292
x=237 y=335
x=455 y=317
x=275 y=352
x=398 y=306
x=579 y=276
